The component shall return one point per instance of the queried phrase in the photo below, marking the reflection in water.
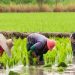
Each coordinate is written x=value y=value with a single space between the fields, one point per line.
x=34 y=71
x=41 y=71
x=2 y=72
x=38 y=70
x=73 y=60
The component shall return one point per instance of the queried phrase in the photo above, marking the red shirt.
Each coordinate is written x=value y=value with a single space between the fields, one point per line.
x=1 y=51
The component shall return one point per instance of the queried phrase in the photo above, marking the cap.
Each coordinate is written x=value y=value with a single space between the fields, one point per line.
x=50 y=44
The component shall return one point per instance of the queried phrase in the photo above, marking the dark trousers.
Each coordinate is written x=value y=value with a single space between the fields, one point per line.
x=31 y=62
x=41 y=58
x=73 y=49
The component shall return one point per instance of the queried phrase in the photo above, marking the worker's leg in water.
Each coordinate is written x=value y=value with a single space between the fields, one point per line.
x=41 y=59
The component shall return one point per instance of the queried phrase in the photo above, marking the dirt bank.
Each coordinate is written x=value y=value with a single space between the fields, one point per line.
x=23 y=35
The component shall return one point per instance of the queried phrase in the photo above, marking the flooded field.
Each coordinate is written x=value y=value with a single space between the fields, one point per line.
x=38 y=70
x=62 y=53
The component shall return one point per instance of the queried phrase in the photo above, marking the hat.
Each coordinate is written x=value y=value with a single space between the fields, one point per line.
x=72 y=38
x=73 y=35
x=3 y=43
x=50 y=44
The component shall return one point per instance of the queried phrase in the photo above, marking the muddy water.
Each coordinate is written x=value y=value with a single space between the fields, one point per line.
x=47 y=71
x=38 y=70
x=2 y=72
x=33 y=71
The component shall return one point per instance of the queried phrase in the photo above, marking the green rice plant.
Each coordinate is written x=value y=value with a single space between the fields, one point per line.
x=62 y=53
x=19 y=54
x=60 y=69
x=13 y=73
x=49 y=58
x=37 y=22
x=62 y=64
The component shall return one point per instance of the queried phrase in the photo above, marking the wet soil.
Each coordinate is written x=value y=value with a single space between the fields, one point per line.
x=23 y=35
x=39 y=70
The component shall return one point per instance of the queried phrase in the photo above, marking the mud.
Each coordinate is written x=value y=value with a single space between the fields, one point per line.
x=23 y=35
x=38 y=70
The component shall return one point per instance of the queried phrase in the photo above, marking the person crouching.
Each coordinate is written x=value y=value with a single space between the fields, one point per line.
x=38 y=45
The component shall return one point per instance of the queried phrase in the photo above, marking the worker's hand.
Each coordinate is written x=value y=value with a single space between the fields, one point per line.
x=38 y=61
x=1 y=54
x=34 y=54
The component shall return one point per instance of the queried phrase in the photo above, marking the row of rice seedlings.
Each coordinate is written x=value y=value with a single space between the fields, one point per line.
x=61 y=54
x=22 y=22
x=19 y=54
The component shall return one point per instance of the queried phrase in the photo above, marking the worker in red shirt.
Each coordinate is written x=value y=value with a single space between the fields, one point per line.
x=38 y=45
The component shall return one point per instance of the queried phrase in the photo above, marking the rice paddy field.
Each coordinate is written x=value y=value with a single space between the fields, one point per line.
x=62 y=53
x=37 y=22
x=60 y=56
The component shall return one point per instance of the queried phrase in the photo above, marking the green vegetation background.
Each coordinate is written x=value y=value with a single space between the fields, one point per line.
x=34 y=1
x=37 y=22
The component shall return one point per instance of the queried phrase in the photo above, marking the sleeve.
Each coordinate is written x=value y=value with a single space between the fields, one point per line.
x=29 y=43
x=45 y=51
x=28 y=46
x=36 y=46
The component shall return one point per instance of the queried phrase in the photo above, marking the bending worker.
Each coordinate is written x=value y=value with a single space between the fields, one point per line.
x=72 y=38
x=38 y=45
x=5 y=45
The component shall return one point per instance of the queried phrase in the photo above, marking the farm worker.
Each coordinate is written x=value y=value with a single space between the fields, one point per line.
x=72 y=38
x=5 y=45
x=38 y=45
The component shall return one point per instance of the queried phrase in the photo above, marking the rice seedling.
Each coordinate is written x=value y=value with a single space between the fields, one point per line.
x=19 y=54
x=37 y=22
x=62 y=53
